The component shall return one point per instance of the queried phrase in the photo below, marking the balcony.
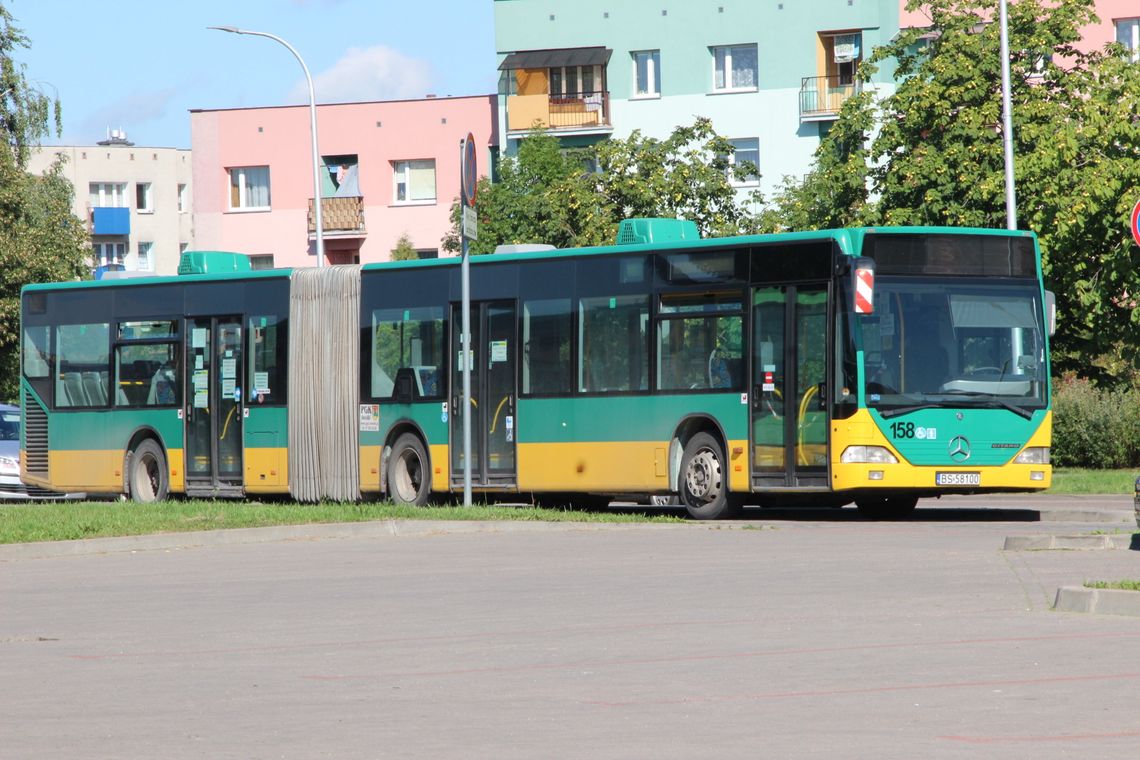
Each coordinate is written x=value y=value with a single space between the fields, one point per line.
x=341 y=217
x=575 y=111
x=106 y=220
x=822 y=97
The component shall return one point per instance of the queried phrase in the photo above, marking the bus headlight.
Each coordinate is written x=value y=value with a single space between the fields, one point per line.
x=867 y=455
x=1033 y=455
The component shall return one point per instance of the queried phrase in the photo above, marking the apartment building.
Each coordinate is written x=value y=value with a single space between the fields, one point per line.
x=136 y=201
x=771 y=76
x=389 y=170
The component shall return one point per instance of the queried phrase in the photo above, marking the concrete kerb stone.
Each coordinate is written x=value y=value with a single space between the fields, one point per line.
x=1086 y=516
x=1087 y=542
x=322 y=531
x=1098 y=601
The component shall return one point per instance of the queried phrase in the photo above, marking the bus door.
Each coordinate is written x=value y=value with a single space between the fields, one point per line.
x=213 y=411
x=789 y=396
x=493 y=394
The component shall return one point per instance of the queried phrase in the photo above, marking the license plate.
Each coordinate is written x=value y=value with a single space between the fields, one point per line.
x=958 y=478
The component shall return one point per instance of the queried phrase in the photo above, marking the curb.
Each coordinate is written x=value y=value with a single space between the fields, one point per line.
x=1086 y=516
x=1098 y=601
x=309 y=532
x=1044 y=543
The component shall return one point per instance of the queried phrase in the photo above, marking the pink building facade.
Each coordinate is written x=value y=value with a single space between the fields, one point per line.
x=390 y=170
x=1119 y=21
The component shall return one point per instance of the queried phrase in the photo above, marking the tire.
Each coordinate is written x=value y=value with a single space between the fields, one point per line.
x=409 y=481
x=704 y=480
x=148 y=479
x=887 y=507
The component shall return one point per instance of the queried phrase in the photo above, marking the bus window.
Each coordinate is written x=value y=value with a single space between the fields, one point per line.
x=82 y=349
x=407 y=338
x=613 y=335
x=699 y=346
x=147 y=373
x=546 y=329
x=265 y=360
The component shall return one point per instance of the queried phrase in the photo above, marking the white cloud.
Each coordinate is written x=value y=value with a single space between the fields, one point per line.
x=375 y=73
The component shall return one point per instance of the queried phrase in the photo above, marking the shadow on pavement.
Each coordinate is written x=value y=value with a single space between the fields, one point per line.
x=851 y=514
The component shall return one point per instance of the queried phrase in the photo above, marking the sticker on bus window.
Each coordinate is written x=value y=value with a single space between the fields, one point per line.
x=229 y=368
x=198 y=339
x=228 y=387
x=261 y=382
x=498 y=351
x=201 y=400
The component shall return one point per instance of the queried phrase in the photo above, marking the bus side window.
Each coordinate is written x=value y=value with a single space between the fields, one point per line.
x=406 y=339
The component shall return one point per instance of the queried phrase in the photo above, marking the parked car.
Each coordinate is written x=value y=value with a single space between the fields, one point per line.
x=11 y=487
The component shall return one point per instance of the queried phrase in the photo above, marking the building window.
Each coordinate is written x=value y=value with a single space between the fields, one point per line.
x=343 y=177
x=249 y=187
x=734 y=68
x=144 y=204
x=183 y=199
x=413 y=181
x=427 y=253
x=109 y=253
x=745 y=149
x=575 y=81
x=261 y=261
x=145 y=259
x=107 y=194
x=1128 y=35
x=647 y=73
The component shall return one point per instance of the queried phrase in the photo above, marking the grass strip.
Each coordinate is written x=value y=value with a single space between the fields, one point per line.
x=1124 y=585
x=61 y=521
x=1079 y=480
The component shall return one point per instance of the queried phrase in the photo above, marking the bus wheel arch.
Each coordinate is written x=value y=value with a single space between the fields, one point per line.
x=406 y=466
x=146 y=472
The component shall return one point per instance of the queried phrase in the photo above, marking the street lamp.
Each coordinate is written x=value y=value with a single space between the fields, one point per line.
x=313 y=129
x=1007 y=123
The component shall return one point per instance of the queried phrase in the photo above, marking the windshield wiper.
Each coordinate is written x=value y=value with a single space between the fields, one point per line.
x=886 y=414
x=994 y=402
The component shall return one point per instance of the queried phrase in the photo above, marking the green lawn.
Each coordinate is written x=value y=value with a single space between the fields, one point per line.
x=1075 y=480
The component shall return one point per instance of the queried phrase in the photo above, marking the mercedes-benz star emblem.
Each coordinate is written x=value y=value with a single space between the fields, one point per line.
x=959 y=448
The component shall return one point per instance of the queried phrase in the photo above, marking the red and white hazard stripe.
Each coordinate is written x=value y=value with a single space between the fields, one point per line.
x=864 y=291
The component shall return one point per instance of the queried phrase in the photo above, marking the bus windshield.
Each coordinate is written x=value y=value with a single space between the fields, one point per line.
x=934 y=342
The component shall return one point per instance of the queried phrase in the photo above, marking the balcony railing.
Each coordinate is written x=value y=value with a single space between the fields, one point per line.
x=107 y=220
x=587 y=110
x=343 y=216
x=822 y=97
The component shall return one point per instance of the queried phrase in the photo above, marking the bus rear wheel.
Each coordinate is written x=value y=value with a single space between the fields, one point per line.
x=704 y=480
x=147 y=477
x=888 y=507
x=408 y=480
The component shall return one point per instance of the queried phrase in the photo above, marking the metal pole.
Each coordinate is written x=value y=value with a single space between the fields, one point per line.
x=465 y=349
x=1007 y=123
x=312 y=128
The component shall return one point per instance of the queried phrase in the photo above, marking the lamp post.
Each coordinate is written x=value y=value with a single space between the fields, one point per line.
x=1007 y=123
x=313 y=130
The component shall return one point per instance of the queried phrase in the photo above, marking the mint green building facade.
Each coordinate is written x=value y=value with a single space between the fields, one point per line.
x=770 y=75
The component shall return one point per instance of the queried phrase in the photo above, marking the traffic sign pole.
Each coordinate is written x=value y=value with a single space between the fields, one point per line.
x=466 y=352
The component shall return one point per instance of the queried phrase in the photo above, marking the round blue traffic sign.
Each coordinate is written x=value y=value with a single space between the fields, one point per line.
x=470 y=171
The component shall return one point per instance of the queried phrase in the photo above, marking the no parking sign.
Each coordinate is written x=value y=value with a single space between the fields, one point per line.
x=1136 y=223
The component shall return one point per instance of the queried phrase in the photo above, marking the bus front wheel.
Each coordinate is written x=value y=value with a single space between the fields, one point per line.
x=408 y=480
x=704 y=480
x=887 y=508
x=148 y=480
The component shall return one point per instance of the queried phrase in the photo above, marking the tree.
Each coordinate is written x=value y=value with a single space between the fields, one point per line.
x=934 y=155
x=41 y=240
x=549 y=195
x=404 y=250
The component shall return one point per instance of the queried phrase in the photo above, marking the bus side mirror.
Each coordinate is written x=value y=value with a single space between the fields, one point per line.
x=1050 y=312
x=863 y=285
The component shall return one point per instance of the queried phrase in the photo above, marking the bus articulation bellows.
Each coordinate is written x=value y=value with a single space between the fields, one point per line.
x=875 y=366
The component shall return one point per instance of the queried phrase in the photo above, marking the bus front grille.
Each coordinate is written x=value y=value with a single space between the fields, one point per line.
x=35 y=437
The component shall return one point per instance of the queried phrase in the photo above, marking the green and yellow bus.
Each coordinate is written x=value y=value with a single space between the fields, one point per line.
x=874 y=366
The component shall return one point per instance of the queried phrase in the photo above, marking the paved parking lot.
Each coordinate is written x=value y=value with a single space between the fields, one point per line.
x=785 y=635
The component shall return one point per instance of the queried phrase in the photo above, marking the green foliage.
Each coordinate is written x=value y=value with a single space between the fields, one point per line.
x=1094 y=427
x=41 y=240
x=404 y=250
x=549 y=195
x=937 y=158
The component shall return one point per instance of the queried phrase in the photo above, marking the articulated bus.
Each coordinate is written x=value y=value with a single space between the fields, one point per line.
x=875 y=366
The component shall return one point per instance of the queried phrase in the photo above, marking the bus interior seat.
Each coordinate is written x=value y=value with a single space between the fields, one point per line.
x=406 y=386
x=95 y=385
x=73 y=384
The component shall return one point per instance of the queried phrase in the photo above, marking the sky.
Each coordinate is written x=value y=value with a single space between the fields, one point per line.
x=141 y=65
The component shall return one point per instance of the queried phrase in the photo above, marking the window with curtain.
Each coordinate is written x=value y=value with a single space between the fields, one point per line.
x=734 y=68
x=647 y=73
x=249 y=187
x=1128 y=35
x=746 y=149
x=413 y=181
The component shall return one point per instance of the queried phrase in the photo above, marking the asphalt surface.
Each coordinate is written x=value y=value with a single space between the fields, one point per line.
x=792 y=634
